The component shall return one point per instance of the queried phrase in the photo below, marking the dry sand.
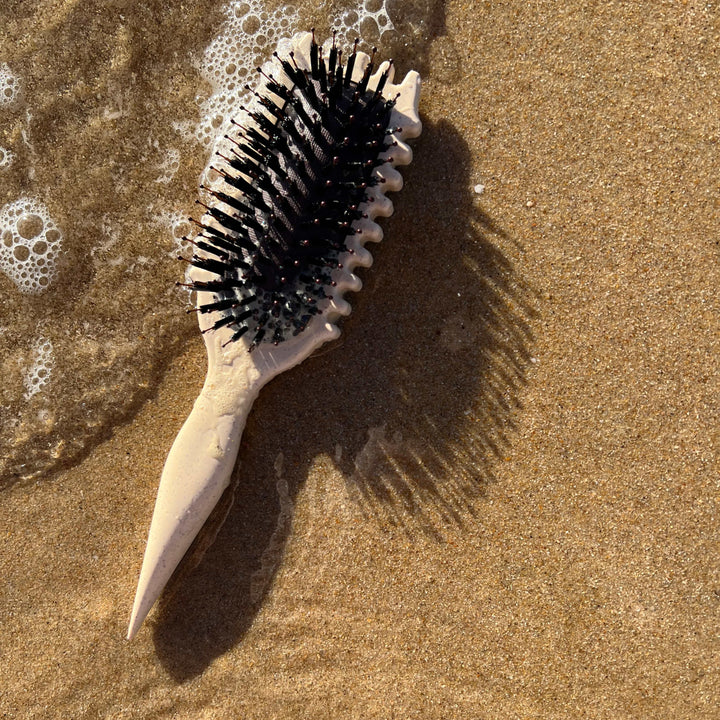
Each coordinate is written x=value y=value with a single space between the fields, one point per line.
x=497 y=496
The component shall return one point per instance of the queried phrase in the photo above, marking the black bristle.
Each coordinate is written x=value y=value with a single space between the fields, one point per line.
x=383 y=80
x=333 y=57
x=323 y=75
x=351 y=65
x=291 y=189
x=314 y=58
x=363 y=84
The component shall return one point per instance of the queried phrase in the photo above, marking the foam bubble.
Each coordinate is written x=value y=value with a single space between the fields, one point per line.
x=244 y=42
x=6 y=158
x=368 y=18
x=230 y=60
x=169 y=166
x=9 y=86
x=38 y=374
x=178 y=226
x=30 y=242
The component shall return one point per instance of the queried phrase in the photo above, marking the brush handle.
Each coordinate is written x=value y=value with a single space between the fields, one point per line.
x=198 y=468
x=196 y=473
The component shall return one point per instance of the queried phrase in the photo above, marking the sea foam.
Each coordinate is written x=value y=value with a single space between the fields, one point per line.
x=6 y=158
x=30 y=243
x=230 y=60
x=38 y=374
x=9 y=86
x=250 y=32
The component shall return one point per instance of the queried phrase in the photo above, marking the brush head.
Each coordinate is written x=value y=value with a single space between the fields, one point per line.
x=299 y=181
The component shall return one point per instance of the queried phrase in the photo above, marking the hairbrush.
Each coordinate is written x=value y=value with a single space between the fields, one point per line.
x=286 y=221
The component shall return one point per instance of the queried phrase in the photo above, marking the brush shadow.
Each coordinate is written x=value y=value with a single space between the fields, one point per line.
x=416 y=403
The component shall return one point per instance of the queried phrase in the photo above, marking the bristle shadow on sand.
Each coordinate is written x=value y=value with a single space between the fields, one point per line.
x=416 y=404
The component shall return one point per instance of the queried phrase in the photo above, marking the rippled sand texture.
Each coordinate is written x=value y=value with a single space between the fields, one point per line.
x=496 y=497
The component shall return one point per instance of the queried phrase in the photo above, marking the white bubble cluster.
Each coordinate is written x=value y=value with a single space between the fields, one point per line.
x=6 y=158
x=9 y=86
x=176 y=224
x=369 y=17
x=29 y=244
x=38 y=374
x=169 y=166
x=229 y=62
x=248 y=35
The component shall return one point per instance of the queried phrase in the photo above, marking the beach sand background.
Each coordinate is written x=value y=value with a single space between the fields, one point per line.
x=495 y=497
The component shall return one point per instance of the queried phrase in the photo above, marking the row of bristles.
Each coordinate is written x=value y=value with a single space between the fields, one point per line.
x=255 y=147
x=259 y=150
x=256 y=153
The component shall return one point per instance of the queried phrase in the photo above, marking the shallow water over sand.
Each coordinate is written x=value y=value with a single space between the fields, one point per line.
x=107 y=125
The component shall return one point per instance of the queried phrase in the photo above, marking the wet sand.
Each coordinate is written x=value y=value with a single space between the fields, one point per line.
x=497 y=495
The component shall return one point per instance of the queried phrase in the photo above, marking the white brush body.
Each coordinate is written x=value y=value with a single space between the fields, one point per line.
x=200 y=463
